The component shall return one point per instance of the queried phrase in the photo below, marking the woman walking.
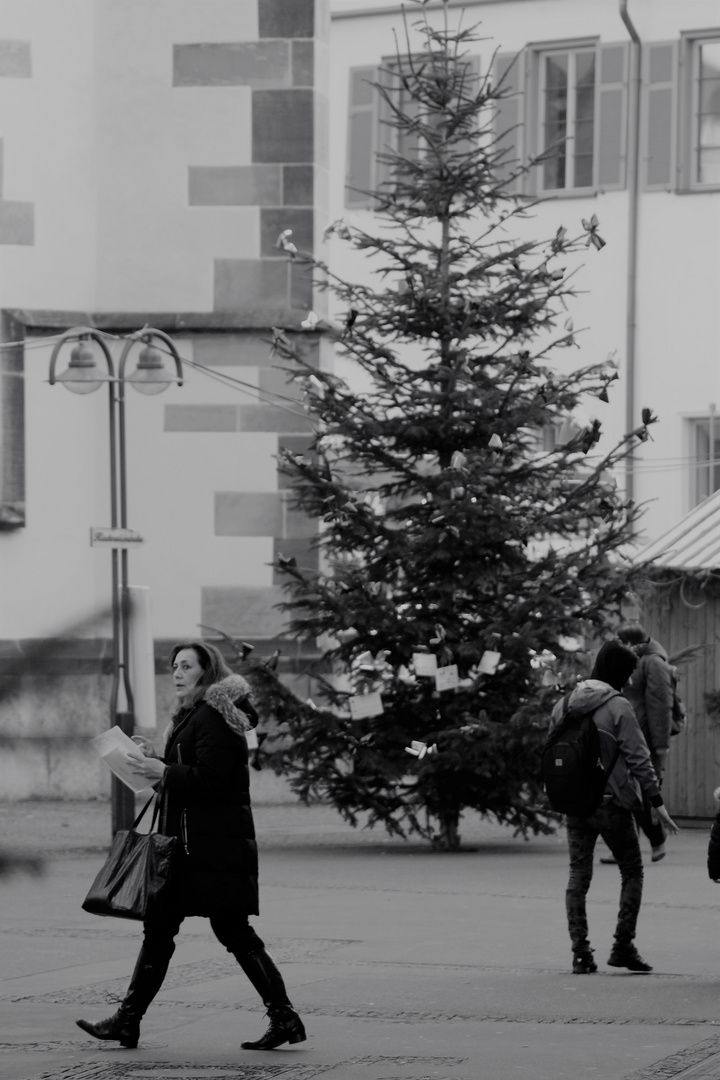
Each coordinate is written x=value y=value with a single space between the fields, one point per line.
x=204 y=789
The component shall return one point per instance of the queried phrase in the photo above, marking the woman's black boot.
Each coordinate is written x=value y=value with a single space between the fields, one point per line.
x=285 y=1027
x=285 y=1024
x=123 y=1027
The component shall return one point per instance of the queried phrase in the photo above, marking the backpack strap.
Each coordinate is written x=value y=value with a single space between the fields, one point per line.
x=616 y=755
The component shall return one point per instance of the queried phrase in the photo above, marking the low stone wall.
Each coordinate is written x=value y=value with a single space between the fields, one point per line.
x=48 y=719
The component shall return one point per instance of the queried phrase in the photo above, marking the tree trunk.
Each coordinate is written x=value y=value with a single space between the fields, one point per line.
x=448 y=839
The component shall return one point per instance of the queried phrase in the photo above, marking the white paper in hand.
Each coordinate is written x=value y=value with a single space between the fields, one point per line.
x=113 y=745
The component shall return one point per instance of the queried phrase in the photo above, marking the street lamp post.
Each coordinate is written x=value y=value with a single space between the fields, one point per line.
x=150 y=377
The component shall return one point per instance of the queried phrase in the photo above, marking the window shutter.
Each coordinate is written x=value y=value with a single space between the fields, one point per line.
x=386 y=134
x=362 y=124
x=508 y=116
x=612 y=116
x=471 y=88
x=658 y=127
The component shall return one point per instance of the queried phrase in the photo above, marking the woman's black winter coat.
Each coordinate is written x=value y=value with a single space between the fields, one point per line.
x=206 y=803
x=713 y=859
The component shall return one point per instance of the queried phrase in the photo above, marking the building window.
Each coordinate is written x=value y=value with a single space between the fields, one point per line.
x=567 y=119
x=373 y=128
x=563 y=111
x=705 y=457
x=705 y=164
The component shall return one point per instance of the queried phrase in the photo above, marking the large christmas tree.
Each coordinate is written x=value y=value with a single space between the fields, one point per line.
x=471 y=528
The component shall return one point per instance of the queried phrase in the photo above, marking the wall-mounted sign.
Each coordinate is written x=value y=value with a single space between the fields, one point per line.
x=114 y=537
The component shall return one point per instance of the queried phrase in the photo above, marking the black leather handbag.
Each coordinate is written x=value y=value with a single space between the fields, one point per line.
x=134 y=879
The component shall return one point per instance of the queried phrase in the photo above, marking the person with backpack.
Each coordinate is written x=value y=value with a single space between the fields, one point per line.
x=617 y=769
x=651 y=692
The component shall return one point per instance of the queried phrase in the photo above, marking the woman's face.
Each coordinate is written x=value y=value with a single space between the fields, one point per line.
x=187 y=669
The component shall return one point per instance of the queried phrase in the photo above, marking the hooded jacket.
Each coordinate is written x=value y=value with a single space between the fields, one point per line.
x=205 y=802
x=620 y=734
x=651 y=692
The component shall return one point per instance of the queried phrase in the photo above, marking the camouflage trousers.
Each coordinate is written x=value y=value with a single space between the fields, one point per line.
x=617 y=828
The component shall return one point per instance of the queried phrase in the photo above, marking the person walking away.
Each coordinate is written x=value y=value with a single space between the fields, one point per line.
x=204 y=791
x=626 y=760
x=651 y=692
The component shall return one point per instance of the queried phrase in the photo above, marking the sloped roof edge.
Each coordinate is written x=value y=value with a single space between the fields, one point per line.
x=692 y=544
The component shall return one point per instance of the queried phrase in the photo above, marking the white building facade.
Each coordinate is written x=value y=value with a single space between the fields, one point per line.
x=629 y=96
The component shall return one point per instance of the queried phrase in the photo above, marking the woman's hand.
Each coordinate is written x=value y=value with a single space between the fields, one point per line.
x=151 y=768
x=145 y=745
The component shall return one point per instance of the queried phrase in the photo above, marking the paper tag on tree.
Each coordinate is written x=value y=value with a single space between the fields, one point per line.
x=420 y=749
x=446 y=678
x=489 y=662
x=424 y=663
x=365 y=705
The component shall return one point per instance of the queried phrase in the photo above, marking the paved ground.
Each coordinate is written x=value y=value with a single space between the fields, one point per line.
x=406 y=964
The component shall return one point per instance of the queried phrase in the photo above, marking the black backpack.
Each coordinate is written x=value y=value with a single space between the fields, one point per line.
x=572 y=766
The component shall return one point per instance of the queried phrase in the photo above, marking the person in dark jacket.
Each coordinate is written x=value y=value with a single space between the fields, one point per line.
x=713 y=855
x=651 y=692
x=203 y=785
x=626 y=760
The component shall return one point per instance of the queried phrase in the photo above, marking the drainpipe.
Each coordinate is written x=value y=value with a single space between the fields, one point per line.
x=633 y=207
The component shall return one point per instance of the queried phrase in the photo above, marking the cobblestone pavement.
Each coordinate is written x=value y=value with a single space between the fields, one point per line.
x=405 y=963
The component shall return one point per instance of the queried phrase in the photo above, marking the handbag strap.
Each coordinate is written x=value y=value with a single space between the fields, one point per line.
x=140 y=816
x=158 y=799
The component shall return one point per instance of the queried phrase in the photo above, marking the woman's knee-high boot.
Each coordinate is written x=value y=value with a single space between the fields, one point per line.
x=285 y=1024
x=124 y=1026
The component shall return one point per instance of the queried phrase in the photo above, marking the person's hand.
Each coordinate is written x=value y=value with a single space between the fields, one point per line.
x=149 y=767
x=666 y=820
x=145 y=745
x=660 y=756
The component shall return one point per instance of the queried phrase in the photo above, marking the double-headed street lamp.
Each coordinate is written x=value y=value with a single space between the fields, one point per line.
x=149 y=377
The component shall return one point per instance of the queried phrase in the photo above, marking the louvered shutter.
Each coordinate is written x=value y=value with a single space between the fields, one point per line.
x=386 y=134
x=508 y=116
x=612 y=116
x=470 y=89
x=658 y=129
x=362 y=124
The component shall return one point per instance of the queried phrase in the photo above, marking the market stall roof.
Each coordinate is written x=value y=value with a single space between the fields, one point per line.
x=692 y=544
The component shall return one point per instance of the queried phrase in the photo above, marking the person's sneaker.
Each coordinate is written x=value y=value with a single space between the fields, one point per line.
x=627 y=956
x=658 y=853
x=583 y=963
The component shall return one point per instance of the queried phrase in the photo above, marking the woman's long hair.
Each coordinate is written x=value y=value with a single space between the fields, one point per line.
x=213 y=667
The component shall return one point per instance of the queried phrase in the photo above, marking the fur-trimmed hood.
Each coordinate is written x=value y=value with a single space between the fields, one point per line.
x=232 y=698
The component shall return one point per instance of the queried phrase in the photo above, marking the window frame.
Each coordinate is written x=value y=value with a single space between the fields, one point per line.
x=539 y=87
x=691 y=43
x=710 y=423
x=519 y=115
x=383 y=138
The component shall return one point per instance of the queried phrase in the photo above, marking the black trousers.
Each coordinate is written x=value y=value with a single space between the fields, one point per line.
x=617 y=828
x=232 y=931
